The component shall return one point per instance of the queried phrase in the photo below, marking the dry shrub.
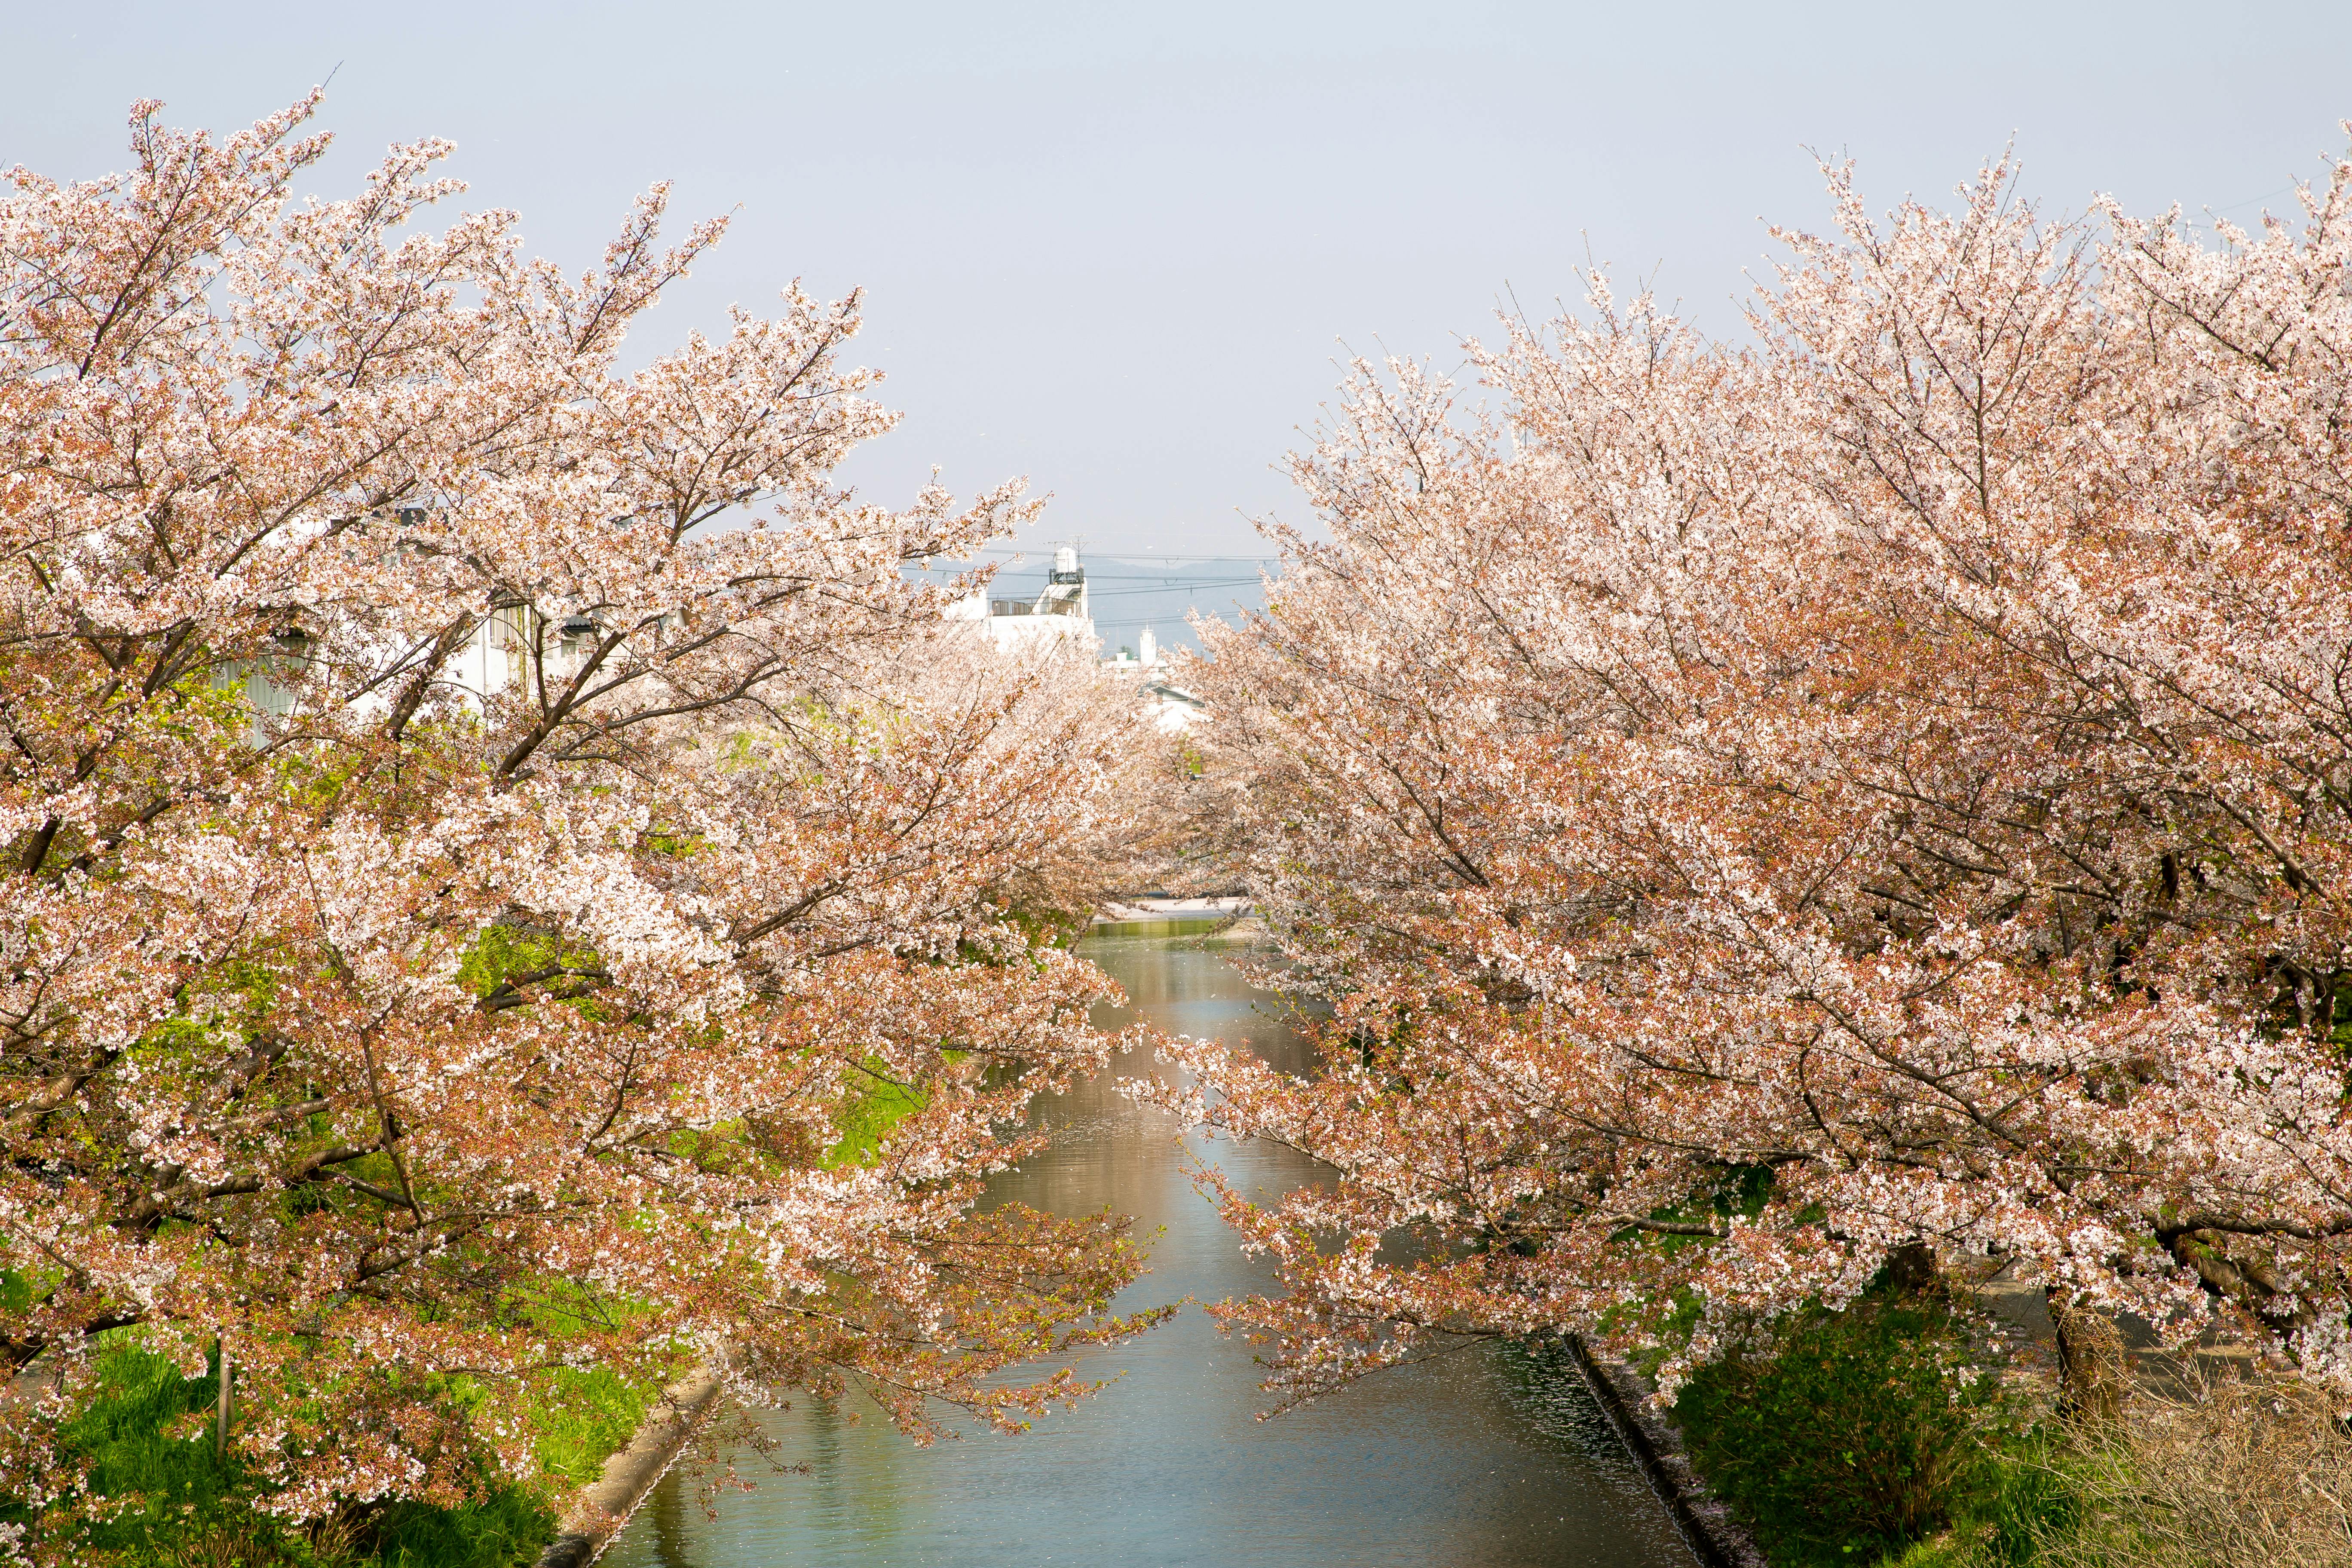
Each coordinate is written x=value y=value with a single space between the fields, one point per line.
x=229 y=1543
x=337 y=1540
x=2236 y=1471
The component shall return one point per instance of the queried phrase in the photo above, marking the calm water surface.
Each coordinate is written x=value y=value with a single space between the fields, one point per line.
x=1489 y=1459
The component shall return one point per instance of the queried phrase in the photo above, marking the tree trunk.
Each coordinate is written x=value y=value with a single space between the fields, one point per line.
x=2092 y=1376
x=220 y=1425
x=1910 y=1269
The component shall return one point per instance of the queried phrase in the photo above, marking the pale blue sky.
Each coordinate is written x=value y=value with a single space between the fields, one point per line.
x=1115 y=247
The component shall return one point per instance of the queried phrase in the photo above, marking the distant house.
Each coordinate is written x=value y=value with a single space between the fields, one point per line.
x=1061 y=612
x=1170 y=706
x=1173 y=708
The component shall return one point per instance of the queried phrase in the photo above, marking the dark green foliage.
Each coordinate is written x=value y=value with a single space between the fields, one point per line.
x=147 y=1438
x=1854 y=1434
x=507 y=1527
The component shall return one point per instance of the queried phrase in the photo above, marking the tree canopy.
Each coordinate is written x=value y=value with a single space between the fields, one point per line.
x=486 y=827
x=1754 y=808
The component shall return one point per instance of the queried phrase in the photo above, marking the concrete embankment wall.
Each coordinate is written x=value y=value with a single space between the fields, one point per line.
x=600 y=1511
x=1715 y=1536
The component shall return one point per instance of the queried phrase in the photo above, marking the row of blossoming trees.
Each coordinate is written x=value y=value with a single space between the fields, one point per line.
x=1757 y=810
x=395 y=1029
x=1754 y=813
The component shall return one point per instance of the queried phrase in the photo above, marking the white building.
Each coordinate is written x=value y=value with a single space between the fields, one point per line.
x=1170 y=706
x=1126 y=661
x=1060 y=611
x=515 y=644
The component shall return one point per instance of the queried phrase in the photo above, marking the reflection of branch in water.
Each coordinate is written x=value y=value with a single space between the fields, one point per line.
x=710 y=1464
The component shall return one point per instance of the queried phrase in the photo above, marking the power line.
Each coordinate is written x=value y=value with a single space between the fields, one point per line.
x=1148 y=577
x=2250 y=201
x=1173 y=580
x=1172 y=588
x=1171 y=559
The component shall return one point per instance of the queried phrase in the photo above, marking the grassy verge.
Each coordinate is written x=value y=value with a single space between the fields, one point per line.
x=1882 y=1435
x=1848 y=1437
x=161 y=1495
x=867 y=1118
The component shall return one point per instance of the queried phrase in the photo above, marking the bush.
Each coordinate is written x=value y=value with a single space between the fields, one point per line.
x=1848 y=1435
x=2230 y=1471
x=163 y=1497
x=1860 y=1437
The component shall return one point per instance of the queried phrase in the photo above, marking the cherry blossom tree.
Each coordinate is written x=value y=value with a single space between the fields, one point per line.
x=482 y=821
x=1879 y=793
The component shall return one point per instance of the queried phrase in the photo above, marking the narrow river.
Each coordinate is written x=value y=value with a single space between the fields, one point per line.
x=1488 y=1460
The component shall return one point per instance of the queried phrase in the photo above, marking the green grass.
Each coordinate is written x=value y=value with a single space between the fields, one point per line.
x=866 y=1118
x=2023 y=1496
x=1856 y=1436
x=137 y=1439
x=507 y=1527
x=159 y=1496
x=580 y=1415
x=1871 y=1436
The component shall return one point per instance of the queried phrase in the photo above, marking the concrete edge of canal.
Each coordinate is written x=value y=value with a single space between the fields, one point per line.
x=598 y=1512
x=1706 y=1520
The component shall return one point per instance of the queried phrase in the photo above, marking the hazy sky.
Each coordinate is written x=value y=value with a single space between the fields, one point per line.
x=1117 y=248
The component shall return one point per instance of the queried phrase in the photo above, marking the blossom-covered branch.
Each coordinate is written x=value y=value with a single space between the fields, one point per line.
x=1755 y=810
